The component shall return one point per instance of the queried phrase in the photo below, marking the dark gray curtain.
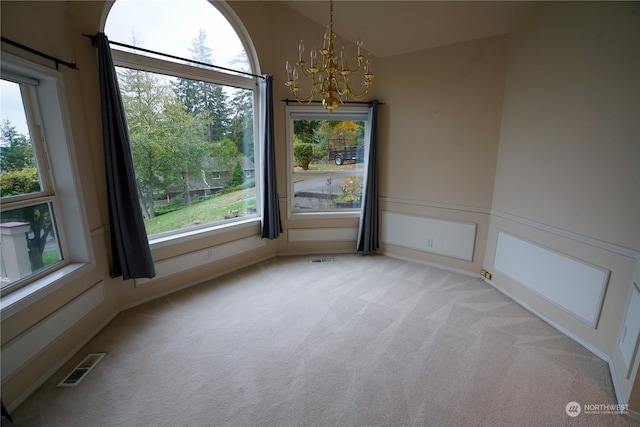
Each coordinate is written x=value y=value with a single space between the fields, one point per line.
x=271 y=223
x=368 y=237
x=131 y=255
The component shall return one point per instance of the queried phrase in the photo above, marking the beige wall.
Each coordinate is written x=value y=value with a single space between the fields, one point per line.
x=567 y=174
x=439 y=131
x=538 y=125
x=569 y=149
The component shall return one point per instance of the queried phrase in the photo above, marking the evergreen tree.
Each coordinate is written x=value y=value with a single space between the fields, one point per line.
x=203 y=99
x=241 y=128
x=15 y=149
x=237 y=176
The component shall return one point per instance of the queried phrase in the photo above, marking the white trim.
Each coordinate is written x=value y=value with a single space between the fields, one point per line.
x=197 y=282
x=317 y=112
x=202 y=233
x=71 y=220
x=192 y=260
x=430 y=264
x=23 y=297
x=439 y=205
x=22 y=349
x=57 y=366
x=322 y=234
x=574 y=275
x=611 y=247
x=241 y=31
x=629 y=316
x=596 y=351
x=601 y=244
x=174 y=69
x=446 y=237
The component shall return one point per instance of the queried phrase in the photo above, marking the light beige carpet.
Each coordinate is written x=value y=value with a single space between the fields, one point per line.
x=362 y=341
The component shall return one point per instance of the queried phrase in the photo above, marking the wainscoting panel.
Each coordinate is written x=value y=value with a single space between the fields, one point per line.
x=454 y=239
x=27 y=345
x=175 y=265
x=573 y=285
x=322 y=234
x=630 y=330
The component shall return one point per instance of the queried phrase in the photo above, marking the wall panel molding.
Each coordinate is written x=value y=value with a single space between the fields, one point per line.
x=34 y=340
x=573 y=285
x=611 y=247
x=455 y=239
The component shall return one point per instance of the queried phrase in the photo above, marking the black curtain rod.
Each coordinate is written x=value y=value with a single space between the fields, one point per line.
x=176 y=57
x=71 y=65
x=295 y=101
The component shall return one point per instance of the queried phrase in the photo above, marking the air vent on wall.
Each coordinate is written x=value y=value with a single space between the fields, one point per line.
x=81 y=371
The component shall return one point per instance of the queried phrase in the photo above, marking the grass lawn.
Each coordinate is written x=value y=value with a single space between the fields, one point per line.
x=207 y=211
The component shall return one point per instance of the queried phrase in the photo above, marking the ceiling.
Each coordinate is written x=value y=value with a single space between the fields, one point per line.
x=390 y=28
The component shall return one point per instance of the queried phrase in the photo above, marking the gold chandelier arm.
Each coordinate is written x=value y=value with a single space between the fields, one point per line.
x=344 y=88
x=306 y=99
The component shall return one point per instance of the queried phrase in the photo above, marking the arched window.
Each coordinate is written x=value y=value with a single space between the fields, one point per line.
x=192 y=126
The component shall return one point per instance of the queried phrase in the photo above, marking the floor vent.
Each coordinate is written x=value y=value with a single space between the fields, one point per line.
x=81 y=371
x=321 y=260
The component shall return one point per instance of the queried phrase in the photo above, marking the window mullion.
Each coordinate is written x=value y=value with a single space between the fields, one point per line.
x=34 y=120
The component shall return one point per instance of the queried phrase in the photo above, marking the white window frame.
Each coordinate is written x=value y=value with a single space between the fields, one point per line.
x=151 y=64
x=61 y=184
x=319 y=113
x=172 y=69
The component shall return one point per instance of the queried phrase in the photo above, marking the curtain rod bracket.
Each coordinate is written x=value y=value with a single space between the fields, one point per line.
x=92 y=37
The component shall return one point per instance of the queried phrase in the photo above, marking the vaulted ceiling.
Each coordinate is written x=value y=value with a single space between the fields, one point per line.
x=390 y=28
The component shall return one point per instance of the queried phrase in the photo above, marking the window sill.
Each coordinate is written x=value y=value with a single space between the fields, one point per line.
x=200 y=233
x=27 y=295
x=324 y=215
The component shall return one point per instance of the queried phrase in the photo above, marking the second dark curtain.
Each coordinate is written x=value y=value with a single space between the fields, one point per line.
x=368 y=232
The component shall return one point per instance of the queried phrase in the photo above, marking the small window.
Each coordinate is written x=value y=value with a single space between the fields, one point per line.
x=327 y=159
x=28 y=219
x=37 y=173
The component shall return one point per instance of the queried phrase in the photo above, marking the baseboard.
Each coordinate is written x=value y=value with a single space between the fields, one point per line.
x=632 y=415
x=596 y=351
x=431 y=264
x=11 y=406
x=197 y=282
x=308 y=253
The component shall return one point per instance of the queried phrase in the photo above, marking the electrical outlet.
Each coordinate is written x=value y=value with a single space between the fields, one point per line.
x=430 y=242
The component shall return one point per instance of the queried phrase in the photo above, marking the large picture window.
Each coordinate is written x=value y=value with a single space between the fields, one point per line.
x=192 y=127
x=327 y=159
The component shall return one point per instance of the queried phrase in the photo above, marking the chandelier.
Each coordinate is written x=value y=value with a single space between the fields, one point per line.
x=329 y=74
